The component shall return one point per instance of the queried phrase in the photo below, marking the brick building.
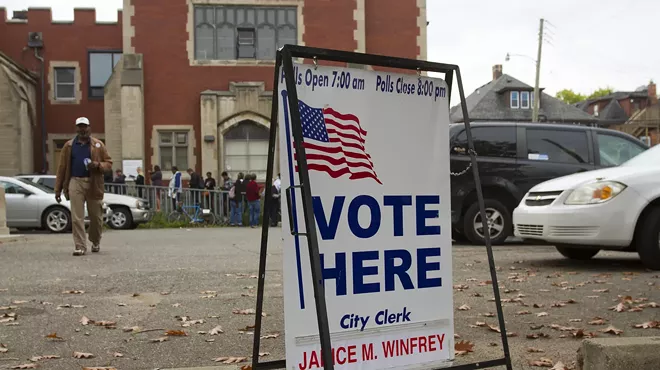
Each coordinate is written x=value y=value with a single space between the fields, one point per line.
x=178 y=82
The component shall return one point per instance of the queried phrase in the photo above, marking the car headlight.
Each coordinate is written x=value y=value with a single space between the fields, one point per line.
x=140 y=204
x=595 y=193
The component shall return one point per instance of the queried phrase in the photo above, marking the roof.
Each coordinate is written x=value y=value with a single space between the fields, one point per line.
x=613 y=113
x=489 y=102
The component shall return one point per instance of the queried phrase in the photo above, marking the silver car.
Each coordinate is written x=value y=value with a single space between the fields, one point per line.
x=32 y=206
x=127 y=212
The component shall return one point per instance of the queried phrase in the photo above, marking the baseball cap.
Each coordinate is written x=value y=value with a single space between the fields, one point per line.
x=82 y=121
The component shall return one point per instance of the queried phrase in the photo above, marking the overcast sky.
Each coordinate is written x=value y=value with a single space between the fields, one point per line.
x=590 y=43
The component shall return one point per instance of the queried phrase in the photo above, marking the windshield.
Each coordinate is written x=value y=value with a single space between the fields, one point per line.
x=650 y=157
x=40 y=187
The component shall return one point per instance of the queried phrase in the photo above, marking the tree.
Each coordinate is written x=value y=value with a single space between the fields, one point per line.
x=569 y=96
x=600 y=93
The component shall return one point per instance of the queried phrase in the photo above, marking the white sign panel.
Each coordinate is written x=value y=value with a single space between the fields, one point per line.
x=378 y=156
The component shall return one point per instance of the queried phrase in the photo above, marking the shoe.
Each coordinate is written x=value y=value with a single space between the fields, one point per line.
x=80 y=251
x=96 y=248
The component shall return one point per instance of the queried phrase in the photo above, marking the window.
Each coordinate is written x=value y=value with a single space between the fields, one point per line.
x=524 y=99
x=614 y=150
x=246 y=149
x=515 y=103
x=173 y=149
x=101 y=65
x=557 y=146
x=490 y=141
x=65 y=83
x=48 y=182
x=232 y=32
x=12 y=188
x=596 y=110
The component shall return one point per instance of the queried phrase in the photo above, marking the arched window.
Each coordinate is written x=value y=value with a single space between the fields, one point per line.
x=246 y=150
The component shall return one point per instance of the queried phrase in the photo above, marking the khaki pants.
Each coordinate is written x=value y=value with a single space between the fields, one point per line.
x=79 y=193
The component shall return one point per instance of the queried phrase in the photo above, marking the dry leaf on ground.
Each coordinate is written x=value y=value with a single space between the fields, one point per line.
x=542 y=314
x=85 y=321
x=230 y=360
x=82 y=355
x=559 y=366
x=73 y=292
x=24 y=366
x=464 y=308
x=106 y=324
x=262 y=354
x=248 y=311
x=619 y=307
x=612 y=330
x=53 y=336
x=159 y=340
x=176 y=333
x=542 y=362
x=488 y=314
x=270 y=336
x=217 y=330
x=117 y=354
x=648 y=325
x=463 y=347
x=534 y=350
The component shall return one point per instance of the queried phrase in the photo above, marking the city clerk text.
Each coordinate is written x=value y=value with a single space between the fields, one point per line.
x=389 y=265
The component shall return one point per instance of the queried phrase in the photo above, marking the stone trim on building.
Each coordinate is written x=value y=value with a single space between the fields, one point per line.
x=359 y=34
x=128 y=29
x=421 y=30
x=51 y=81
x=190 y=28
x=155 y=146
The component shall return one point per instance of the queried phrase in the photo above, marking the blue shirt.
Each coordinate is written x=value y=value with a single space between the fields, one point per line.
x=79 y=152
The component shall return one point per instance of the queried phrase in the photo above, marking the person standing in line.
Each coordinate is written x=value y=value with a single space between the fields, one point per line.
x=236 y=202
x=80 y=176
x=175 y=188
x=139 y=182
x=195 y=184
x=226 y=186
x=209 y=185
x=157 y=181
x=254 y=200
x=275 y=203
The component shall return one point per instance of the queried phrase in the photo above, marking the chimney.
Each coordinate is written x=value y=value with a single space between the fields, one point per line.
x=497 y=71
x=653 y=96
x=20 y=14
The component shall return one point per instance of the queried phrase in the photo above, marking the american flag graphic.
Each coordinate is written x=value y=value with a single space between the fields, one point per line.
x=334 y=143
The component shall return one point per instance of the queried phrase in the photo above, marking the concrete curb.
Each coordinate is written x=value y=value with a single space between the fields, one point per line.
x=219 y=367
x=638 y=353
x=12 y=238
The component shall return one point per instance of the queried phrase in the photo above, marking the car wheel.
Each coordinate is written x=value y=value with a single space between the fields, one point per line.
x=648 y=239
x=57 y=220
x=121 y=219
x=499 y=222
x=576 y=253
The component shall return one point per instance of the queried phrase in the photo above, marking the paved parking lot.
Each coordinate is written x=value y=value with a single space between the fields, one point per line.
x=147 y=281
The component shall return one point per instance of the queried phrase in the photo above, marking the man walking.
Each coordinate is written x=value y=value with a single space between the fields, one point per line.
x=80 y=176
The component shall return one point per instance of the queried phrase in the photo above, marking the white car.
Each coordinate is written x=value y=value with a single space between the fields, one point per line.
x=616 y=208
x=32 y=206
x=127 y=212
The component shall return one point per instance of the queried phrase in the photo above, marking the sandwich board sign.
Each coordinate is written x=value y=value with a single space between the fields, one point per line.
x=364 y=160
x=377 y=152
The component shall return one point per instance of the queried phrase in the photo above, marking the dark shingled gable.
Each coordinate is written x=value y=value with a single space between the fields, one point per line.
x=490 y=102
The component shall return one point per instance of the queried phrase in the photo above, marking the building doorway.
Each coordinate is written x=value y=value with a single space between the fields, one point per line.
x=246 y=150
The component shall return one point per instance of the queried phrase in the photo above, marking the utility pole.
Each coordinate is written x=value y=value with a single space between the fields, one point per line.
x=537 y=97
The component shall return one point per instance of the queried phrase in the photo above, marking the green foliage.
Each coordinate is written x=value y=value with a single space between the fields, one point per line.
x=568 y=96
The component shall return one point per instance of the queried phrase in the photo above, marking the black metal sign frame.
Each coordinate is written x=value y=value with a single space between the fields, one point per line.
x=284 y=58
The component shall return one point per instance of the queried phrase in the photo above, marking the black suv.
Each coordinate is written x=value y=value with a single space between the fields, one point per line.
x=512 y=158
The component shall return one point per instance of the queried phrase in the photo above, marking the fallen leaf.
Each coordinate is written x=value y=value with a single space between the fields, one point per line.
x=523 y=313
x=464 y=308
x=488 y=314
x=25 y=366
x=3 y=348
x=542 y=314
x=494 y=328
x=534 y=350
x=601 y=290
x=5 y=308
x=230 y=360
x=73 y=292
x=209 y=292
x=209 y=296
x=164 y=293
x=53 y=336
x=176 y=305
x=612 y=330
x=262 y=354
x=461 y=287
x=106 y=324
x=159 y=340
x=537 y=336
x=559 y=366
x=85 y=321
x=536 y=305
x=648 y=325
x=619 y=307
x=8 y=319
x=463 y=347
x=19 y=302
x=82 y=355
x=121 y=304
x=176 y=333
x=563 y=328
x=543 y=362
x=217 y=330
x=117 y=354
x=575 y=320
x=270 y=336
x=597 y=321
x=248 y=311
x=133 y=328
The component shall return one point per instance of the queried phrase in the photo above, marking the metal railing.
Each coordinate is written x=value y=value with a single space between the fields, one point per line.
x=160 y=200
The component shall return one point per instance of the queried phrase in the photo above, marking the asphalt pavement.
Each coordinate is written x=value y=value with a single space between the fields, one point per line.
x=147 y=282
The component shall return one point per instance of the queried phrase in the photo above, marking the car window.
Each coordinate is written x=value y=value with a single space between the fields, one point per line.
x=10 y=188
x=614 y=150
x=490 y=141
x=36 y=185
x=569 y=146
x=48 y=182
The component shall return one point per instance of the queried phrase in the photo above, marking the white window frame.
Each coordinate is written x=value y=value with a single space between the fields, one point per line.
x=511 y=100
x=248 y=155
x=525 y=93
x=175 y=147
x=57 y=83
